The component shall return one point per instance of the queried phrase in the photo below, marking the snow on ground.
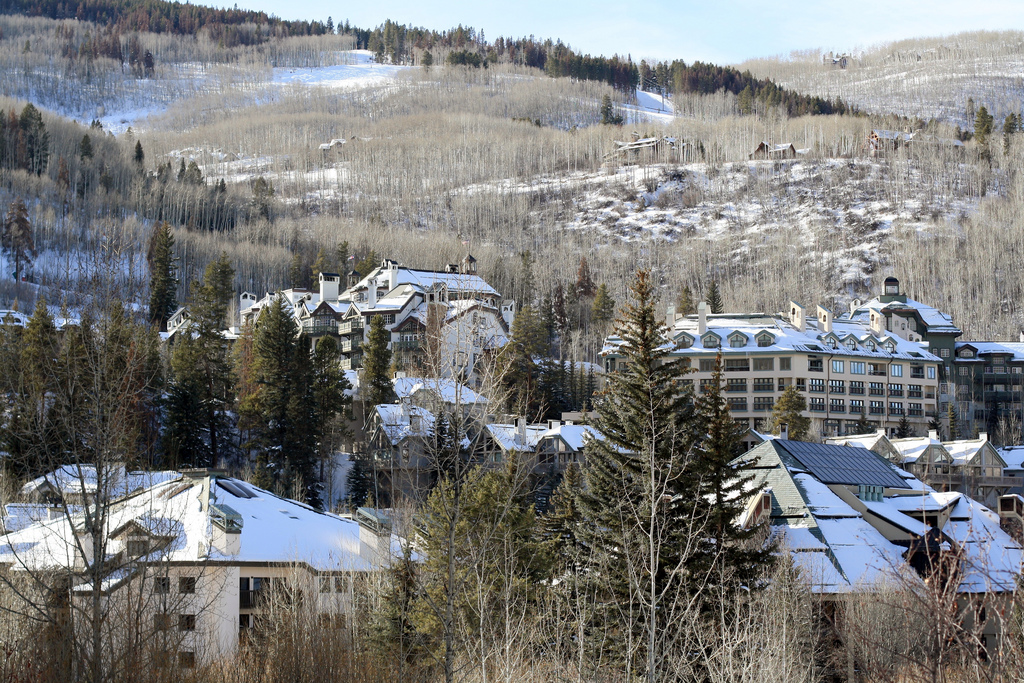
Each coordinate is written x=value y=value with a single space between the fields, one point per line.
x=650 y=107
x=361 y=73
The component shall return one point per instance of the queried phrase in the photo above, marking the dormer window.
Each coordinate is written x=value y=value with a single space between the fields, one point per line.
x=737 y=340
x=851 y=344
x=890 y=347
x=711 y=341
x=832 y=342
x=870 y=346
x=684 y=341
x=765 y=339
x=966 y=353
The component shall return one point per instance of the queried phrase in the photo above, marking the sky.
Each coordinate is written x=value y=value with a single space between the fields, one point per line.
x=720 y=31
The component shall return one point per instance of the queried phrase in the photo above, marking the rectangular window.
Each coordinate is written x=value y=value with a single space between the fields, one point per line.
x=877 y=408
x=817 y=386
x=817 y=405
x=707 y=364
x=837 y=405
x=764 y=364
x=737 y=365
x=815 y=364
x=836 y=386
x=896 y=370
x=895 y=408
x=187 y=660
x=782 y=384
x=785 y=363
x=914 y=391
x=963 y=371
x=801 y=384
x=705 y=385
x=738 y=403
x=763 y=403
x=876 y=389
x=186 y=622
x=931 y=372
x=916 y=410
x=917 y=371
x=734 y=385
x=187 y=584
x=857 y=388
x=857 y=367
x=943 y=353
x=764 y=384
x=837 y=366
x=895 y=389
x=161 y=621
x=856 y=406
x=162 y=585
x=325 y=584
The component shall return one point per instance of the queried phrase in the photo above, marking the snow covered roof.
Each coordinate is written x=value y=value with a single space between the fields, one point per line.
x=1013 y=456
x=1013 y=349
x=396 y=275
x=965 y=450
x=840 y=544
x=447 y=390
x=935 y=320
x=511 y=438
x=401 y=421
x=912 y=448
x=79 y=480
x=180 y=513
x=575 y=436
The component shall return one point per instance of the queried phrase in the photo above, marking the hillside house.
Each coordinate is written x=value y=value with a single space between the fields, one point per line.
x=766 y=150
x=562 y=445
x=657 y=149
x=205 y=553
x=881 y=142
x=850 y=518
x=977 y=469
x=987 y=384
x=516 y=441
x=452 y=318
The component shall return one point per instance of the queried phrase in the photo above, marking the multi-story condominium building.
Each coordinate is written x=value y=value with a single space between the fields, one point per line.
x=449 y=318
x=847 y=370
x=987 y=386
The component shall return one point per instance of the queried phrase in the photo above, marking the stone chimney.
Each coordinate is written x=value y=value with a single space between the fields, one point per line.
x=798 y=316
x=702 y=317
x=824 y=319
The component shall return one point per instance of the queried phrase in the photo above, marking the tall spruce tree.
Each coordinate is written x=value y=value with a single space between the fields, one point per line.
x=331 y=401
x=640 y=493
x=727 y=554
x=163 y=284
x=788 y=410
x=952 y=422
x=16 y=239
x=603 y=309
x=904 y=429
x=375 y=383
x=714 y=299
x=685 y=304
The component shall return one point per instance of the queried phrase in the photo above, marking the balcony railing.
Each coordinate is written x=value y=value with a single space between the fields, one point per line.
x=350 y=345
x=319 y=329
x=351 y=326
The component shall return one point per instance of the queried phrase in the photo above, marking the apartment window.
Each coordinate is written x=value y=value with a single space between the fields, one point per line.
x=707 y=364
x=837 y=405
x=817 y=405
x=837 y=366
x=187 y=660
x=999 y=369
x=895 y=389
x=325 y=584
x=137 y=547
x=943 y=353
x=782 y=384
x=856 y=406
x=785 y=363
x=963 y=371
x=710 y=342
x=801 y=384
x=161 y=585
x=815 y=364
x=764 y=384
x=763 y=403
x=764 y=364
x=186 y=622
x=896 y=370
x=876 y=389
x=916 y=410
x=737 y=342
x=877 y=369
x=857 y=367
x=187 y=584
x=931 y=372
x=734 y=385
x=765 y=340
x=738 y=403
x=914 y=391
x=817 y=386
x=877 y=407
x=836 y=386
x=1016 y=369
x=161 y=621
x=705 y=385
x=895 y=408
x=389 y=318
x=857 y=388
x=998 y=387
x=917 y=371
x=737 y=365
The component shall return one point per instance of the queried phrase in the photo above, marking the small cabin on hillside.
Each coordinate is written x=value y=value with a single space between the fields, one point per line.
x=768 y=151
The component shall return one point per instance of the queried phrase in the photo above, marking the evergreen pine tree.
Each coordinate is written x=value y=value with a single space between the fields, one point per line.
x=686 y=305
x=140 y=156
x=788 y=410
x=319 y=266
x=331 y=402
x=16 y=239
x=525 y=292
x=725 y=553
x=359 y=482
x=603 y=309
x=862 y=424
x=954 y=423
x=85 y=148
x=274 y=344
x=982 y=126
x=714 y=299
x=639 y=492
x=375 y=383
x=341 y=255
x=584 y=282
x=559 y=527
x=904 y=429
x=163 y=284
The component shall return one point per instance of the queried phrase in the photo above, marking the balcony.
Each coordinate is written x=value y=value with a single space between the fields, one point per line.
x=408 y=345
x=351 y=326
x=350 y=345
x=319 y=329
x=353 y=363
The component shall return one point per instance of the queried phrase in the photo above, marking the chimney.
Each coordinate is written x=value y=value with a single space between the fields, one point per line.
x=854 y=305
x=670 y=317
x=824 y=319
x=877 y=323
x=371 y=293
x=797 y=316
x=783 y=431
x=520 y=436
x=983 y=436
x=702 y=317
x=933 y=435
x=329 y=286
